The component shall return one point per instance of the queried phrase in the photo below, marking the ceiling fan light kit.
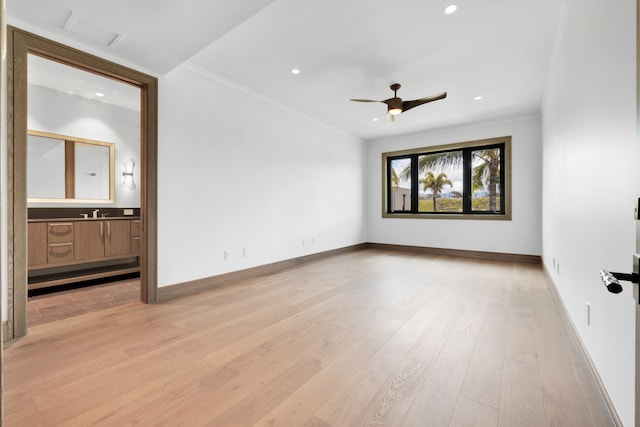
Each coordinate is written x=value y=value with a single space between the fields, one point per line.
x=396 y=105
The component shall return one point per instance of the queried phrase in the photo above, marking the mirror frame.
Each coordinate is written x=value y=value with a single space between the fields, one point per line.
x=19 y=44
x=71 y=183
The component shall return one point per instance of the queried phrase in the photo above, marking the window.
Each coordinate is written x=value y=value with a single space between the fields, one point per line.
x=469 y=179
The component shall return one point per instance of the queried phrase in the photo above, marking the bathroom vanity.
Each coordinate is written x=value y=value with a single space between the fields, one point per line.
x=68 y=250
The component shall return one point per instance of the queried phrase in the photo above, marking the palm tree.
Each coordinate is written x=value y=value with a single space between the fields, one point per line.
x=435 y=184
x=434 y=161
x=395 y=183
x=395 y=179
x=487 y=172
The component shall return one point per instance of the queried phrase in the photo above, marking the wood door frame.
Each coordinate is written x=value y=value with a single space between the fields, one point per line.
x=19 y=44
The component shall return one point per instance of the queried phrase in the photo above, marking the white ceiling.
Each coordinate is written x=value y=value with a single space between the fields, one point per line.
x=498 y=49
x=55 y=75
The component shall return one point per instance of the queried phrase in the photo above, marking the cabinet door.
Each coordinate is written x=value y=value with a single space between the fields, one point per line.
x=118 y=238
x=88 y=240
x=136 y=228
x=37 y=244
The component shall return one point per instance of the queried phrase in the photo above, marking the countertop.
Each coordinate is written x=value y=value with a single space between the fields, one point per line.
x=107 y=218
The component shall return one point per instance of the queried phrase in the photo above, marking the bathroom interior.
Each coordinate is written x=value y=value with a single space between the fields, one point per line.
x=83 y=191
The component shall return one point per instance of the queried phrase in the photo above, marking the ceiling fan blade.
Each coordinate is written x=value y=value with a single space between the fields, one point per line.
x=365 y=100
x=407 y=105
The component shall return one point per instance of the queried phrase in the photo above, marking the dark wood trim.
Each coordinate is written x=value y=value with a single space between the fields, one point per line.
x=495 y=256
x=195 y=286
x=593 y=381
x=149 y=193
x=69 y=170
x=5 y=327
x=21 y=43
x=16 y=180
x=89 y=274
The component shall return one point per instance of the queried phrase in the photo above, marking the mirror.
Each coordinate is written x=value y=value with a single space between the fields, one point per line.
x=68 y=169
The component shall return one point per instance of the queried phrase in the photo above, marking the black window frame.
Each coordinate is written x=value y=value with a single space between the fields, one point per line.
x=466 y=148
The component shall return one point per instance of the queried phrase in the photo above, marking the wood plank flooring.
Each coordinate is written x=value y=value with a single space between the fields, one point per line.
x=46 y=308
x=369 y=338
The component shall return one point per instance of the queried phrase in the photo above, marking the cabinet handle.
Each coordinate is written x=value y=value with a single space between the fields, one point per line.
x=109 y=229
x=54 y=254
x=101 y=230
x=54 y=229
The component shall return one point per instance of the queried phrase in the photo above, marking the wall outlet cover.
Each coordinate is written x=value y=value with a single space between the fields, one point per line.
x=128 y=212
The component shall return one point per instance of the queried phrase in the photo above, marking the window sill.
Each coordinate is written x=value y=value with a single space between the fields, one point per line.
x=482 y=217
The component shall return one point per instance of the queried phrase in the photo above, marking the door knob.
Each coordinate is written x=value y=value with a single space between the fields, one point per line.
x=612 y=280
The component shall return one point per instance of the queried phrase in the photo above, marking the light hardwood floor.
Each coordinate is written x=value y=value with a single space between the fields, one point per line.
x=51 y=307
x=360 y=339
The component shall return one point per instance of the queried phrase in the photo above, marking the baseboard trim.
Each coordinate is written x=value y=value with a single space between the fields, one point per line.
x=582 y=353
x=493 y=256
x=195 y=286
x=198 y=285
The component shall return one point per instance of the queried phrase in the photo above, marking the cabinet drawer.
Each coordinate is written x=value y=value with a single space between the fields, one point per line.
x=60 y=232
x=60 y=252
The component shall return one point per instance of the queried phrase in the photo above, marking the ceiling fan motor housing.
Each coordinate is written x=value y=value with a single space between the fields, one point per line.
x=394 y=105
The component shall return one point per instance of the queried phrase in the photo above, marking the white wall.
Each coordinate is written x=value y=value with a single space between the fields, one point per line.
x=238 y=172
x=65 y=114
x=521 y=235
x=589 y=176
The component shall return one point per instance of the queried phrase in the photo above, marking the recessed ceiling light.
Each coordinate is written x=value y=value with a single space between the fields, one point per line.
x=478 y=98
x=450 y=9
x=100 y=94
x=375 y=120
x=295 y=71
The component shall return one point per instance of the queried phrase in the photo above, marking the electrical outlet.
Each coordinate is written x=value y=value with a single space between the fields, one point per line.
x=588 y=312
x=313 y=240
x=227 y=255
x=304 y=242
x=245 y=252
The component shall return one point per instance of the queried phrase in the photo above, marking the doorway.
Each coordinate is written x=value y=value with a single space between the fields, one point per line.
x=20 y=45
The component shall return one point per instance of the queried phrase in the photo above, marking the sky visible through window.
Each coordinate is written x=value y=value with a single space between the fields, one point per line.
x=454 y=174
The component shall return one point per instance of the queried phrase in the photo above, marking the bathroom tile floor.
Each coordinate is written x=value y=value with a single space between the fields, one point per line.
x=51 y=307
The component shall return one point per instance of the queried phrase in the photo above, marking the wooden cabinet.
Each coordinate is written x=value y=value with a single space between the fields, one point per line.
x=97 y=239
x=117 y=240
x=59 y=242
x=77 y=249
x=89 y=240
x=37 y=244
x=136 y=236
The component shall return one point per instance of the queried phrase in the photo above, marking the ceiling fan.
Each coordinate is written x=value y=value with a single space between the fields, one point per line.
x=396 y=105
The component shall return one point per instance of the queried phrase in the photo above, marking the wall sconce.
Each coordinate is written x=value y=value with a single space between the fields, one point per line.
x=128 y=181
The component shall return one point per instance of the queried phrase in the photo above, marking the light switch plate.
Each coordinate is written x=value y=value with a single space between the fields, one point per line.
x=128 y=212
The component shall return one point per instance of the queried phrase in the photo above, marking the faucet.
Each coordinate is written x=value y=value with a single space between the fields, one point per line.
x=95 y=213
